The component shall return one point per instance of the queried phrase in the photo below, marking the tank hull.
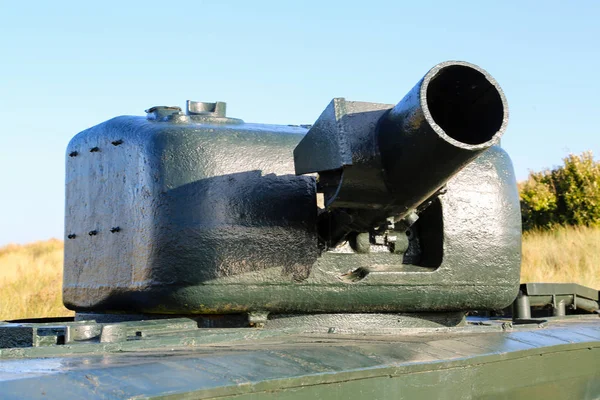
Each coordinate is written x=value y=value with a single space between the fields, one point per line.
x=556 y=358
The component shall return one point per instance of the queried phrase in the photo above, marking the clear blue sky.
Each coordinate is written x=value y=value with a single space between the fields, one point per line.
x=65 y=66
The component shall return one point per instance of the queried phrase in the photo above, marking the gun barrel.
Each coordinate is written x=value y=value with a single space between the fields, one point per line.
x=455 y=112
x=377 y=161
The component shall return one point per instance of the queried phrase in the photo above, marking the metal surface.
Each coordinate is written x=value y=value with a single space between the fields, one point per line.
x=200 y=213
x=202 y=267
x=485 y=359
x=559 y=309
x=376 y=161
x=557 y=299
x=193 y=202
x=541 y=289
x=522 y=307
x=475 y=267
x=218 y=109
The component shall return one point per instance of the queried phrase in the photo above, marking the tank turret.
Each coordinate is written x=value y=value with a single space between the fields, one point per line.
x=375 y=208
x=375 y=254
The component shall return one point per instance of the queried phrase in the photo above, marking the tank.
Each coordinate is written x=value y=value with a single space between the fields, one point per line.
x=374 y=254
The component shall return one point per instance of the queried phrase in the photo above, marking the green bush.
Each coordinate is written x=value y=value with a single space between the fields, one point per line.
x=566 y=195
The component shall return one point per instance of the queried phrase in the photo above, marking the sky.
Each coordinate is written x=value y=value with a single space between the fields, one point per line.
x=66 y=66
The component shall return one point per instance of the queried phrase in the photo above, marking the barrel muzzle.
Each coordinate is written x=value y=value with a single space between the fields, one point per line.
x=463 y=104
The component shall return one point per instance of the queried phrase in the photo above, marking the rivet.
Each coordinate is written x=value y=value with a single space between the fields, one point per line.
x=117 y=142
x=71 y=236
x=93 y=233
x=115 y=229
x=94 y=149
x=73 y=154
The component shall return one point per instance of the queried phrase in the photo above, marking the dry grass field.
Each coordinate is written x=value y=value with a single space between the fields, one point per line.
x=31 y=280
x=31 y=275
x=562 y=255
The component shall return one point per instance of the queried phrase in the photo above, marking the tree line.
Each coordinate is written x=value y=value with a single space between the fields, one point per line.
x=568 y=194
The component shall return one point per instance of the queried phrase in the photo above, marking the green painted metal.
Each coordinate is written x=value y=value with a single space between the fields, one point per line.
x=377 y=162
x=200 y=213
x=201 y=265
x=541 y=289
x=540 y=299
x=552 y=359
